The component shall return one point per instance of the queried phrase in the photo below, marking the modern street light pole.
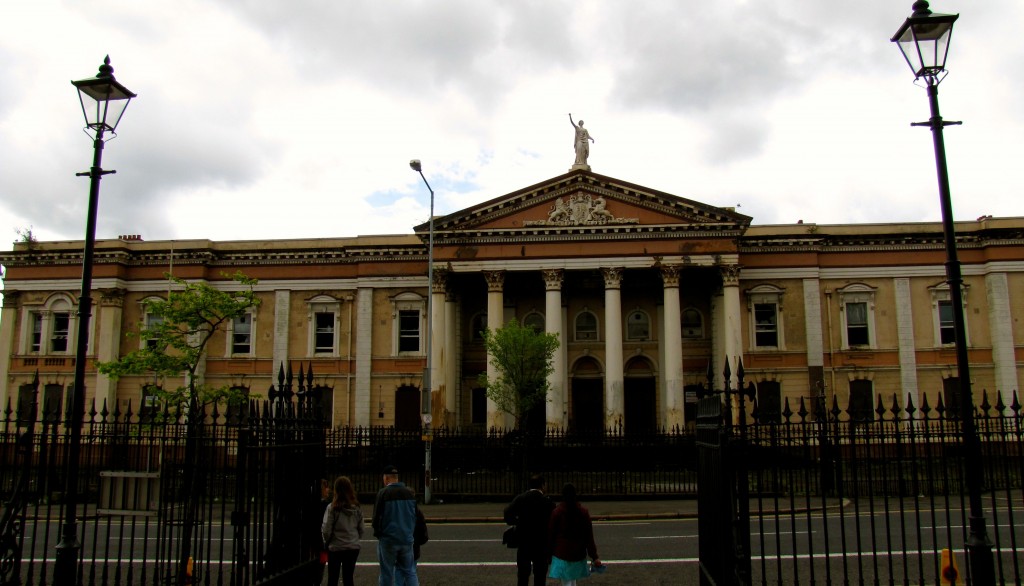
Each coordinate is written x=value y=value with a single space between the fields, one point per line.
x=425 y=407
x=924 y=40
x=104 y=101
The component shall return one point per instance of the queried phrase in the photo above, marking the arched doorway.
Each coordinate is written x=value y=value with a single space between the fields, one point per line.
x=407 y=408
x=639 y=396
x=587 y=396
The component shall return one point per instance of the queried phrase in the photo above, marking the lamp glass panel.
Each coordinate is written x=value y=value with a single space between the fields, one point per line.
x=933 y=40
x=103 y=105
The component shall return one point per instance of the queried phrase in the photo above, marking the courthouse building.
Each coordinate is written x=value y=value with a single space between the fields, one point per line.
x=644 y=289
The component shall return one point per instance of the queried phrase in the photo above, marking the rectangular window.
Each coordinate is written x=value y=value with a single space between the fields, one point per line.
x=152 y=321
x=36 y=343
x=61 y=327
x=323 y=334
x=241 y=334
x=947 y=332
x=766 y=329
x=409 y=330
x=857 y=324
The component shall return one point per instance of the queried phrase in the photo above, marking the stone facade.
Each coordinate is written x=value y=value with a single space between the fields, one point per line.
x=646 y=290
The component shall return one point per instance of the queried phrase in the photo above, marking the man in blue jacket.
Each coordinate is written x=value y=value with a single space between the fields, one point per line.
x=394 y=520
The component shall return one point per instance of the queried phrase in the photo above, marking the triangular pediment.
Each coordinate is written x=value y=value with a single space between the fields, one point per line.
x=581 y=202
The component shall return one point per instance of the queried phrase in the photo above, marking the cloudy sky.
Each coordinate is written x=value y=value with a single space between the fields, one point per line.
x=261 y=119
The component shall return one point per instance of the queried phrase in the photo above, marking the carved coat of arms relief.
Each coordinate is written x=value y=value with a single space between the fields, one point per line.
x=580 y=209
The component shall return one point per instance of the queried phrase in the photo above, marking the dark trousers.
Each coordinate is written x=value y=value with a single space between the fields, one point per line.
x=531 y=560
x=345 y=560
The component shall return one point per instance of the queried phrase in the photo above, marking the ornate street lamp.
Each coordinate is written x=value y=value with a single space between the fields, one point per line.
x=924 y=40
x=425 y=407
x=104 y=101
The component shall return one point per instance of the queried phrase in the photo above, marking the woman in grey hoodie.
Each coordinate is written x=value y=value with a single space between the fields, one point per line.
x=342 y=529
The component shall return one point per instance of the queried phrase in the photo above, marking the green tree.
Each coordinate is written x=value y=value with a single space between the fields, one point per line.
x=522 y=357
x=177 y=337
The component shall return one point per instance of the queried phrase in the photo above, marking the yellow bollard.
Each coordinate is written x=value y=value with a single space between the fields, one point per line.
x=949 y=573
x=188 y=570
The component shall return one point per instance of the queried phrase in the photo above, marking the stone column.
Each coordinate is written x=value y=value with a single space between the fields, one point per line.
x=495 y=313
x=614 y=403
x=672 y=411
x=364 y=409
x=1000 y=321
x=107 y=339
x=438 y=371
x=8 y=345
x=451 y=359
x=553 y=325
x=732 y=318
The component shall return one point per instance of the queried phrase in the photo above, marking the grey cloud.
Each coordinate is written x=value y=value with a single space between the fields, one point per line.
x=411 y=46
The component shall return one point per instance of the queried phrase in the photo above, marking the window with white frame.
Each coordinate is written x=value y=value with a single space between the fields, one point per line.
x=942 y=314
x=638 y=326
x=857 y=316
x=692 y=323
x=60 y=332
x=241 y=334
x=586 y=326
x=764 y=306
x=36 y=335
x=408 y=331
x=323 y=325
x=48 y=328
x=151 y=321
x=323 y=332
x=409 y=311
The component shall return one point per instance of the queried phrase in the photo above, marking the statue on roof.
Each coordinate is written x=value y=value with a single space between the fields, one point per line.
x=581 y=144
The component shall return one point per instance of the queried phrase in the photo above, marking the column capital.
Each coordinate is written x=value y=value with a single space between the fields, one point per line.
x=553 y=279
x=112 y=297
x=612 y=277
x=12 y=298
x=670 y=275
x=440 y=283
x=495 y=281
x=730 y=275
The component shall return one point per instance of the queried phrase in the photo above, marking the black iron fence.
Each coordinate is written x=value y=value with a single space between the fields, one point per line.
x=831 y=497
x=868 y=497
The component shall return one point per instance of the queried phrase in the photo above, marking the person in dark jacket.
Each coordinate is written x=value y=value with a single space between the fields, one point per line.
x=571 y=539
x=394 y=524
x=530 y=512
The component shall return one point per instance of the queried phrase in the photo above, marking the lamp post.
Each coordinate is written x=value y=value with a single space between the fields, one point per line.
x=924 y=40
x=104 y=101
x=425 y=407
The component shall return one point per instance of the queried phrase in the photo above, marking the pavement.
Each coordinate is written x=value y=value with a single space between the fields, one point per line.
x=599 y=510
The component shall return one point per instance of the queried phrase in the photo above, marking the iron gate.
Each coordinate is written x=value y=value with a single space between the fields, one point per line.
x=723 y=501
